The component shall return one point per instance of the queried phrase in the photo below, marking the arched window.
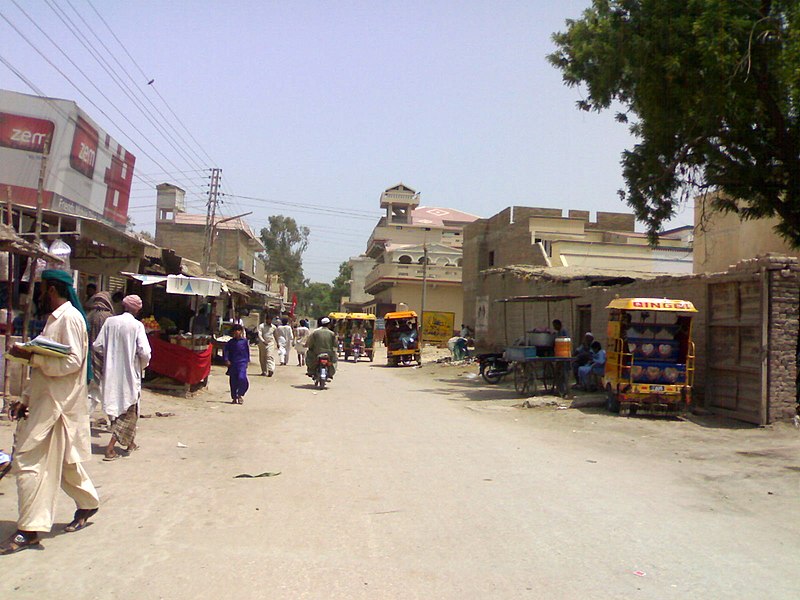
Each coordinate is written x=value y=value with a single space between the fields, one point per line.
x=422 y=260
x=405 y=259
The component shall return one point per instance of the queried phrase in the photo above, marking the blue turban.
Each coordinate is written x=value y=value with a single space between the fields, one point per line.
x=64 y=277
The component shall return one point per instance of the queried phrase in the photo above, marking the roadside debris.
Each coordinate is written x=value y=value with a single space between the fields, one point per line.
x=182 y=445
x=264 y=474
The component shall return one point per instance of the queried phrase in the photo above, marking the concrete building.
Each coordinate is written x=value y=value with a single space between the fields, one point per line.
x=410 y=246
x=722 y=239
x=544 y=237
x=235 y=248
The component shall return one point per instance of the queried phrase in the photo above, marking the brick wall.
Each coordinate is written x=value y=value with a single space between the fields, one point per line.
x=784 y=293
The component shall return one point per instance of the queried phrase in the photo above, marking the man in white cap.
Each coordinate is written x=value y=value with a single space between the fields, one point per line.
x=322 y=339
x=123 y=342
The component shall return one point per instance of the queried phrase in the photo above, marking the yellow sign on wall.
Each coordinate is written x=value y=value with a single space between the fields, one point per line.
x=437 y=327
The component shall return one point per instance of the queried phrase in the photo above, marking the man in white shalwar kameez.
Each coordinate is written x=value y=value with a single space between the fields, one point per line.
x=266 y=347
x=53 y=436
x=284 y=336
x=122 y=342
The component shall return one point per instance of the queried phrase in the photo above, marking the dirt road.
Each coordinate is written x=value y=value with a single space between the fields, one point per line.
x=421 y=483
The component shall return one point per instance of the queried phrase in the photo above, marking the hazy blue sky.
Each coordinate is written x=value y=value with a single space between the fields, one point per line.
x=328 y=103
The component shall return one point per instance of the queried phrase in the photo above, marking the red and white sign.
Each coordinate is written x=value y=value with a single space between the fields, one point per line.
x=25 y=133
x=84 y=148
x=88 y=173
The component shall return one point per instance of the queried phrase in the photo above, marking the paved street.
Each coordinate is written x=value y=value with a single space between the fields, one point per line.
x=422 y=483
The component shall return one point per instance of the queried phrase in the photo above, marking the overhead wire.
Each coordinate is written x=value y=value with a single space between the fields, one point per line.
x=70 y=25
x=92 y=102
x=150 y=81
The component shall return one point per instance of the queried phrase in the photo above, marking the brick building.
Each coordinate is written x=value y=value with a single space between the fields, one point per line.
x=745 y=332
x=236 y=247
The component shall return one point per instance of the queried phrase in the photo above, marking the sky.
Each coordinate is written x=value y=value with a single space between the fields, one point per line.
x=312 y=109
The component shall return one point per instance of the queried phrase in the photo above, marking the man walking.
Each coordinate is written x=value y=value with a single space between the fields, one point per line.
x=266 y=347
x=285 y=338
x=53 y=436
x=123 y=344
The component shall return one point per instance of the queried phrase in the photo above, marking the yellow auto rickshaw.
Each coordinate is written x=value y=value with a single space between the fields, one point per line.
x=359 y=336
x=402 y=338
x=339 y=320
x=650 y=360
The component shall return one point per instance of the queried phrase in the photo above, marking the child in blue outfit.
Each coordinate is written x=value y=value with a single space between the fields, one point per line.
x=236 y=355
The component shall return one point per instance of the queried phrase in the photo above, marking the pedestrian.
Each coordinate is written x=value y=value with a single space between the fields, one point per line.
x=53 y=436
x=300 y=340
x=100 y=310
x=559 y=330
x=284 y=337
x=266 y=347
x=126 y=351
x=322 y=339
x=199 y=324
x=236 y=355
x=116 y=300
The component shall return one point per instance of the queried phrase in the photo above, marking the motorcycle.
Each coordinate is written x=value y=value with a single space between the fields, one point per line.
x=493 y=367
x=323 y=367
x=358 y=345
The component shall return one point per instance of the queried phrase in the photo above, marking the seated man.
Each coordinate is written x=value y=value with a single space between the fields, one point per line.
x=408 y=336
x=582 y=355
x=596 y=366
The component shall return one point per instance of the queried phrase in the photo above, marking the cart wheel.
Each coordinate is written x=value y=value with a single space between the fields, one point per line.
x=612 y=403
x=548 y=377
x=522 y=378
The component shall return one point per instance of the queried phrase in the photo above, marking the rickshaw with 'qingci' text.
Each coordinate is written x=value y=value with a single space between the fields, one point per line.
x=650 y=357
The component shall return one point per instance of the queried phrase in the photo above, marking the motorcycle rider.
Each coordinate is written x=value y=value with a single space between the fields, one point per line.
x=322 y=339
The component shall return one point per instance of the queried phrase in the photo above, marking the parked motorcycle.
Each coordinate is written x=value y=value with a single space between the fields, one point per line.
x=493 y=367
x=323 y=368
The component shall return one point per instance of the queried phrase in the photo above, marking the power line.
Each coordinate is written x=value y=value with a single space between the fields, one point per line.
x=92 y=102
x=70 y=25
x=150 y=81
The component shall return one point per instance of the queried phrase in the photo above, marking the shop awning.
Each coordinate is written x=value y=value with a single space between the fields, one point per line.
x=180 y=284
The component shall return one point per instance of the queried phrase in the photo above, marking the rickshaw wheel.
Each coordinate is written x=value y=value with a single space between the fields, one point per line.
x=612 y=403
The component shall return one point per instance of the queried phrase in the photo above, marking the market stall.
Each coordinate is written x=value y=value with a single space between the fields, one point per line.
x=181 y=357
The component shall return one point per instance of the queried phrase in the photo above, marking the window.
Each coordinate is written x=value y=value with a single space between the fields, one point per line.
x=491 y=258
x=404 y=260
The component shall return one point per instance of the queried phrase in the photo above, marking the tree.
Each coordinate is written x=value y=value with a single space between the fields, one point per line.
x=315 y=299
x=340 y=286
x=710 y=89
x=285 y=243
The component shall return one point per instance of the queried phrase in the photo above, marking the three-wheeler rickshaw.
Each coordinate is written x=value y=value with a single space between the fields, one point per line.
x=339 y=320
x=359 y=336
x=402 y=338
x=650 y=357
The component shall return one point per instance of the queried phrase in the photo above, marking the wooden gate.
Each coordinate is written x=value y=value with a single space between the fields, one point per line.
x=735 y=383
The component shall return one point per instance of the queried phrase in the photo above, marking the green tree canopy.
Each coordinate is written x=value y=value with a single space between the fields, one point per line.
x=340 y=286
x=315 y=300
x=710 y=89
x=285 y=242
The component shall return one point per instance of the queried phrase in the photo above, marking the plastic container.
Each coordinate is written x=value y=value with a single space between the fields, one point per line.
x=563 y=347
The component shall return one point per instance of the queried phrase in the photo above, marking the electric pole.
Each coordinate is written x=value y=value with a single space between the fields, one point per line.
x=424 y=291
x=211 y=213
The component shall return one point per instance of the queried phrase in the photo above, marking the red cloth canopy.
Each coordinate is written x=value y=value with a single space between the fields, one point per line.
x=178 y=362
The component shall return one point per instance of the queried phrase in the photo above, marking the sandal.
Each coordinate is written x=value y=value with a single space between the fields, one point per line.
x=20 y=541
x=108 y=458
x=80 y=519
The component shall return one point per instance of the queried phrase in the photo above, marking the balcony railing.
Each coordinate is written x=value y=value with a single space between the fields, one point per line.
x=389 y=271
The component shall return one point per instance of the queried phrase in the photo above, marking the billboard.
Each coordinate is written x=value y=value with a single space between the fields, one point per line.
x=88 y=173
x=437 y=327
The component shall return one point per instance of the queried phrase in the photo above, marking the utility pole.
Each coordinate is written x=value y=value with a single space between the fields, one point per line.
x=211 y=213
x=36 y=240
x=9 y=304
x=424 y=292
